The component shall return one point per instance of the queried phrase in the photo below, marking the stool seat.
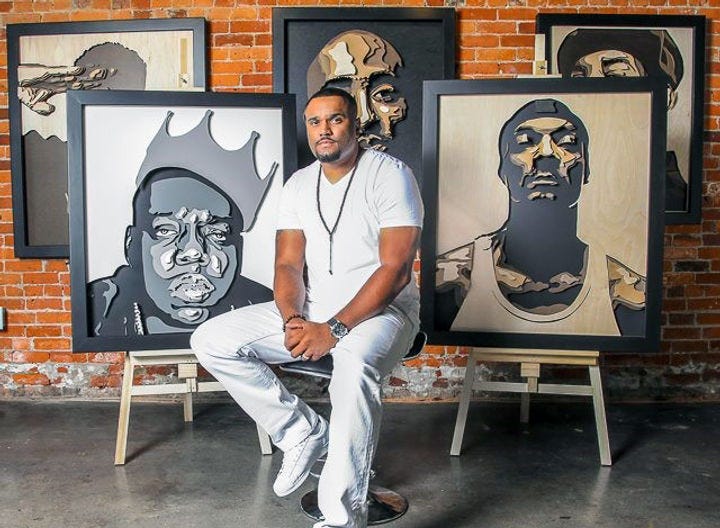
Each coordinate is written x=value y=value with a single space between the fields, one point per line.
x=322 y=368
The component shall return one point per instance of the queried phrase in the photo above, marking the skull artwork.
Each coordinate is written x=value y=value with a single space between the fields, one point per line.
x=354 y=61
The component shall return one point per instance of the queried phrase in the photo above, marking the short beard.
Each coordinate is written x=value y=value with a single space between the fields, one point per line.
x=330 y=157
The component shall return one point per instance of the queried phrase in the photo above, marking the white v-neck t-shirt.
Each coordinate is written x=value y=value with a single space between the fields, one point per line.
x=383 y=193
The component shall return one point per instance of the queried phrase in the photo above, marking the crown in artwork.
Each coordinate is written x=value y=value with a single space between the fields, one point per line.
x=232 y=171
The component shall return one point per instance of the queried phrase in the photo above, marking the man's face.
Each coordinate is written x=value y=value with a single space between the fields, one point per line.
x=544 y=162
x=330 y=129
x=363 y=64
x=608 y=63
x=614 y=63
x=188 y=261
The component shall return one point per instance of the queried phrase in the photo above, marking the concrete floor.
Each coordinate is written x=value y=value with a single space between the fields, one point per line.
x=56 y=468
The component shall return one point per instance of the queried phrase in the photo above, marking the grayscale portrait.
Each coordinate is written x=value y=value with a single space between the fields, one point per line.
x=184 y=248
x=174 y=218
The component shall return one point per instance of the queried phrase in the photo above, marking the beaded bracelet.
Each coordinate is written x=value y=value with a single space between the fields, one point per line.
x=291 y=317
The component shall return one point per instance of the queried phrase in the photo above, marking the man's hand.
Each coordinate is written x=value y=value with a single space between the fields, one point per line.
x=293 y=332
x=309 y=340
x=39 y=83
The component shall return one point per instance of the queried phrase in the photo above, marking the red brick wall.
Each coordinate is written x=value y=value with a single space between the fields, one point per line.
x=495 y=38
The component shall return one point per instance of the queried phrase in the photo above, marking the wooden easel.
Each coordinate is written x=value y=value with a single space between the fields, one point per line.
x=530 y=362
x=187 y=370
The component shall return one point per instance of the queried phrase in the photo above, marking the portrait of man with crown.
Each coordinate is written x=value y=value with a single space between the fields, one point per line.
x=192 y=201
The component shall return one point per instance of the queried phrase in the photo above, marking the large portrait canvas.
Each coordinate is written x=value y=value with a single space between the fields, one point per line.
x=47 y=60
x=543 y=225
x=380 y=56
x=671 y=48
x=173 y=214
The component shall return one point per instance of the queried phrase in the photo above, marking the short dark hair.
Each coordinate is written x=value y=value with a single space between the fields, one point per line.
x=331 y=91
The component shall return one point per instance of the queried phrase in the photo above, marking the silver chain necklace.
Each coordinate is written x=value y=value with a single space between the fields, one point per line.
x=331 y=232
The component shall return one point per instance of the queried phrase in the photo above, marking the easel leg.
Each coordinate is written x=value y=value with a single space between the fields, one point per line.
x=124 y=415
x=264 y=438
x=188 y=372
x=600 y=418
x=464 y=404
x=531 y=372
x=524 y=407
x=188 y=401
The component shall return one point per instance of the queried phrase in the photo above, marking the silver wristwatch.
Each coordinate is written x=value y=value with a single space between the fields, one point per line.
x=337 y=329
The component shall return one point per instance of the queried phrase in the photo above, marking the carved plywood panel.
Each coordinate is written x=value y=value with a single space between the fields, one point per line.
x=48 y=60
x=165 y=63
x=379 y=55
x=670 y=48
x=541 y=216
x=613 y=204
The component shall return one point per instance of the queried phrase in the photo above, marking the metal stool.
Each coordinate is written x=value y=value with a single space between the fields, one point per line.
x=384 y=505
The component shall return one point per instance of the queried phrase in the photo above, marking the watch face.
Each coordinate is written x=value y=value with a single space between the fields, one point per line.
x=337 y=329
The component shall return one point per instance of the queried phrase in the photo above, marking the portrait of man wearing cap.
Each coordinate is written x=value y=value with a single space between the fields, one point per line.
x=537 y=272
x=184 y=249
x=613 y=52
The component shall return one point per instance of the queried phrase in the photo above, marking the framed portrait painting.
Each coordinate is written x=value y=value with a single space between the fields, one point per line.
x=668 y=47
x=47 y=60
x=379 y=55
x=173 y=214
x=544 y=217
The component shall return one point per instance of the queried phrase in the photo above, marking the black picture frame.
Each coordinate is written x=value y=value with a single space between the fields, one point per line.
x=423 y=37
x=40 y=221
x=683 y=35
x=254 y=134
x=450 y=106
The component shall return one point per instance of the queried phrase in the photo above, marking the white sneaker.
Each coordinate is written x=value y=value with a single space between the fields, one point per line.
x=298 y=460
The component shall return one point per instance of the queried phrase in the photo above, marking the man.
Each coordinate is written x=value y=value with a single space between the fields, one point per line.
x=614 y=52
x=535 y=275
x=352 y=220
x=184 y=248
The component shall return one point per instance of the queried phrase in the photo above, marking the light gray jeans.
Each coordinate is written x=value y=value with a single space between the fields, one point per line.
x=237 y=346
